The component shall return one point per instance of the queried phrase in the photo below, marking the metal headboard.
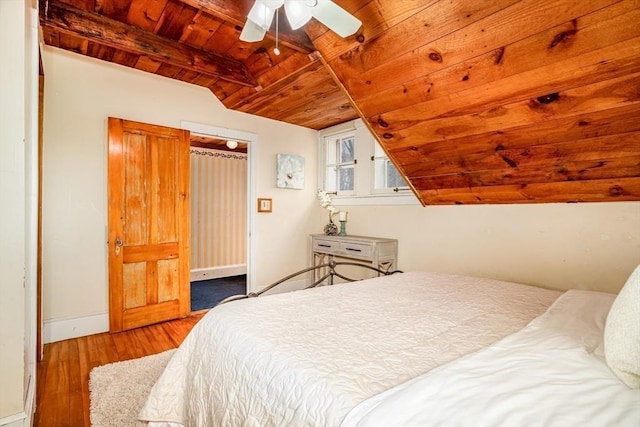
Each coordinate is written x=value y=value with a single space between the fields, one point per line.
x=331 y=273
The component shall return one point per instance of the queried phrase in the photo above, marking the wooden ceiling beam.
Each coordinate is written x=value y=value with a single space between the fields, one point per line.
x=236 y=12
x=274 y=89
x=109 y=32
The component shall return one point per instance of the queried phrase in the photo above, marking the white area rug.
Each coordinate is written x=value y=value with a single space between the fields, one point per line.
x=118 y=390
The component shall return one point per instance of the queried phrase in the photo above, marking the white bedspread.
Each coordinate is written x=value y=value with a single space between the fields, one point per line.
x=308 y=357
x=549 y=374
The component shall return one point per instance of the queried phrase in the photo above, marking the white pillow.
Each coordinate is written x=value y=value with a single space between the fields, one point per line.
x=622 y=333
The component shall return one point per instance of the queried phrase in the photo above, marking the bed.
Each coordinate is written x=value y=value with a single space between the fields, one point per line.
x=406 y=349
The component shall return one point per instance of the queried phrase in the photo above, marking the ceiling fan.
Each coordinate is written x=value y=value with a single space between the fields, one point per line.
x=298 y=12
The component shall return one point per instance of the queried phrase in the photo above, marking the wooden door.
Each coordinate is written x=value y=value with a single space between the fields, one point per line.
x=148 y=224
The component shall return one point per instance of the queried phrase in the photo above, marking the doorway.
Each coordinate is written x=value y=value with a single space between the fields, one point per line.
x=222 y=191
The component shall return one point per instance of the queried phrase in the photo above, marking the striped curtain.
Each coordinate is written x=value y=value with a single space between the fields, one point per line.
x=218 y=208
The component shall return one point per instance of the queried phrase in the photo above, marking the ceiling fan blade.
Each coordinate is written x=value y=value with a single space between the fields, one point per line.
x=261 y=15
x=297 y=13
x=273 y=4
x=336 y=18
x=252 y=32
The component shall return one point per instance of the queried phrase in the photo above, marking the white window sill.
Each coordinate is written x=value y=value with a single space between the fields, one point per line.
x=382 y=199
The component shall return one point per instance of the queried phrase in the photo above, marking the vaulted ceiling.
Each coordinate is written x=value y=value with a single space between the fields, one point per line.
x=197 y=41
x=475 y=101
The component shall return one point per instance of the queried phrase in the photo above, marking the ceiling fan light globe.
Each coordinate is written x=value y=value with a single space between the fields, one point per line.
x=232 y=144
x=297 y=13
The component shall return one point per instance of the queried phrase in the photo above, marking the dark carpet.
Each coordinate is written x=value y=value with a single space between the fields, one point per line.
x=208 y=293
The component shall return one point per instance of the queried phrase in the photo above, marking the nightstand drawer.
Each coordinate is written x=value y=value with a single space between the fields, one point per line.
x=356 y=250
x=326 y=246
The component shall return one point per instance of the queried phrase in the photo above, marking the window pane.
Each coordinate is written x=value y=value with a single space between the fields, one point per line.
x=331 y=179
x=346 y=179
x=379 y=152
x=347 y=147
x=330 y=148
x=386 y=175
x=394 y=179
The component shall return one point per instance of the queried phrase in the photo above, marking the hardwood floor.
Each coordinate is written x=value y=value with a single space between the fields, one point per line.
x=63 y=375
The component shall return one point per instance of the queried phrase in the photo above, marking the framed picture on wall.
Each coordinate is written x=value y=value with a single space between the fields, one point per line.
x=289 y=171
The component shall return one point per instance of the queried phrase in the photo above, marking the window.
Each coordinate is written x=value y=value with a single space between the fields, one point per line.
x=340 y=162
x=386 y=176
x=358 y=182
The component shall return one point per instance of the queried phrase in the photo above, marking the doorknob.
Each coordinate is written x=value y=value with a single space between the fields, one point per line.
x=118 y=245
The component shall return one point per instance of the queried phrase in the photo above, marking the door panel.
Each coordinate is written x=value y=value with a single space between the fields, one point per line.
x=148 y=224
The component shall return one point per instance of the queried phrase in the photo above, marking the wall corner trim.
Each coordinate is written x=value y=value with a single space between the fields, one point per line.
x=73 y=327
x=24 y=418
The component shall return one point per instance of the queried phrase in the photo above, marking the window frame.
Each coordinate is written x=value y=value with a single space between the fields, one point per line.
x=364 y=192
x=337 y=139
x=372 y=183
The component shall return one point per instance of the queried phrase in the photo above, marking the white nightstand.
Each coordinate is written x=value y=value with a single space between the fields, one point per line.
x=377 y=252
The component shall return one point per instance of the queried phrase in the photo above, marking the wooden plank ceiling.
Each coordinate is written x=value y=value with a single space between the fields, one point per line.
x=475 y=101
x=197 y=41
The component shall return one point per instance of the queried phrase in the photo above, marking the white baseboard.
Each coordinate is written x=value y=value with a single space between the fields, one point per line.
x=55 y=330
x=15 y=420
x=217 y=272
x=292 y=285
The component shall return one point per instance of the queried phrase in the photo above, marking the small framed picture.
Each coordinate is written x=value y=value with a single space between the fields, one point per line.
x=264 y=205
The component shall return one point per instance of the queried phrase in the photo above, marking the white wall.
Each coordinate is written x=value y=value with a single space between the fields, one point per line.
x=80 y=93
x=18 y=190
x=591 y=246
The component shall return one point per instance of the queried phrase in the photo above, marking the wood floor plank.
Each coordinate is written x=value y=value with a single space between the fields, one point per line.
x=109 y=346
x=63 y=374
x=122 y=347
x=83 y=356
x=76 y=416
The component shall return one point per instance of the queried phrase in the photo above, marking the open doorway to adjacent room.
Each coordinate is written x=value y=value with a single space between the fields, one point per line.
x=219 y=235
